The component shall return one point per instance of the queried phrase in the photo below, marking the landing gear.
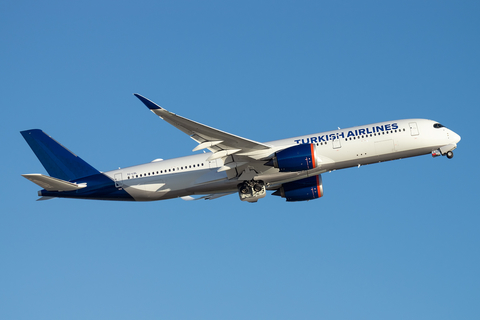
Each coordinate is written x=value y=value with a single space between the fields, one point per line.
x=244 y=189
x=257 y=186
x=439 y=152
x=251 y=190
x=447 y=150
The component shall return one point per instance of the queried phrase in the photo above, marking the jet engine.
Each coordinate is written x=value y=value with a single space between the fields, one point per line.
x=301 y=190
x=297 y=158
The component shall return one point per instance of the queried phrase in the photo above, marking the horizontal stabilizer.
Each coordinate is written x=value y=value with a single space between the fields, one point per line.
x=52 y=184
x=45 y=198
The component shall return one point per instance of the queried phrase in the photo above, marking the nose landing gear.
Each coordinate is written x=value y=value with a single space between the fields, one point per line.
x=445 y=151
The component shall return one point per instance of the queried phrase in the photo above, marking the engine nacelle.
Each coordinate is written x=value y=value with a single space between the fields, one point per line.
x=296 y=158
x=301 y=190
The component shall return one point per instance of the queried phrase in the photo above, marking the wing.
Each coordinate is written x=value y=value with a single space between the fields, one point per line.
x=221 y=143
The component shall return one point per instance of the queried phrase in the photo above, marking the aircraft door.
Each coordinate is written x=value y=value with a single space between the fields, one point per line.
x=336 y=143
x=413 y=128
x=118 y=180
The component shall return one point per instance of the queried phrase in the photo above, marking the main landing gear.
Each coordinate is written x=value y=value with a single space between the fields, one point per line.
x=449 y=154
x=251 y=190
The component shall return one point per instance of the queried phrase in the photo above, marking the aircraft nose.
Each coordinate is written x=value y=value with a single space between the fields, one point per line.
x=456 y=137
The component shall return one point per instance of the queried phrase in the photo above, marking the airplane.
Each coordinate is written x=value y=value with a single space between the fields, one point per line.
x=291 y=168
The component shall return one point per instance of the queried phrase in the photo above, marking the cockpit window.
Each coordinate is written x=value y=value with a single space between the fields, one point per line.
x=438 y=125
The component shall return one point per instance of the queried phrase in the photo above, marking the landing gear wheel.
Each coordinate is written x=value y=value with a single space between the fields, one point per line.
x=449 y=154
x=244 y=189
x=251 y=190
x=258 y=187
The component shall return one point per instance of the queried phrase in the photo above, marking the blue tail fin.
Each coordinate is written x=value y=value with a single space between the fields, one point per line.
x=59 y=162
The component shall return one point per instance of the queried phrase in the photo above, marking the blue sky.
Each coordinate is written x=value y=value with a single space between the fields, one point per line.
x=397 y=240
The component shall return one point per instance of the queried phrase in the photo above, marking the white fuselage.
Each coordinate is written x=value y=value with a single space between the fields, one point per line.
x=337 y=149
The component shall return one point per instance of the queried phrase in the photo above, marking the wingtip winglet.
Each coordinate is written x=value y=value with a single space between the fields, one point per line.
x=150 y=104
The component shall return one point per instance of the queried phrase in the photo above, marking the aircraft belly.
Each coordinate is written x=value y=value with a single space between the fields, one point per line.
x=176 y=185
x=218 y=187
x=387 y=156
x=143 y=194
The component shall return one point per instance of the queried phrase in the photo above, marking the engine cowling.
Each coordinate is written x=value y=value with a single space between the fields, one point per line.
x=296 y=158
x=305 y=189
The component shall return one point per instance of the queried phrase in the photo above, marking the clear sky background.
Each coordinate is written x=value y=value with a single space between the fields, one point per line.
x=397 y=240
